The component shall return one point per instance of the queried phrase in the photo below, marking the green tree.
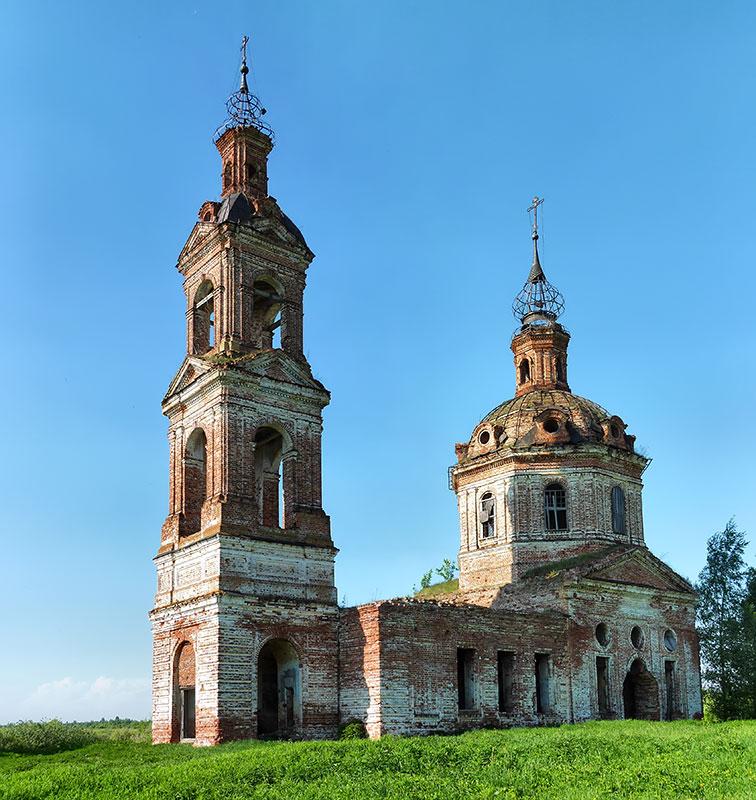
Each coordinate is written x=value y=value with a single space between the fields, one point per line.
x=748 y=656
x=447 y=570
x=720 y=620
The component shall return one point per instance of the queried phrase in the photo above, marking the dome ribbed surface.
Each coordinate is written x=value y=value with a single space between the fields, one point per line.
x=517 y=416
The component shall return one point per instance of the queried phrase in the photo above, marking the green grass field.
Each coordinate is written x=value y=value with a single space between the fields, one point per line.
x=597 y=759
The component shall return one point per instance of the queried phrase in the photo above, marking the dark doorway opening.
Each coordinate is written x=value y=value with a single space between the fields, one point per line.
x=465 y=678
x=187 y=712
x=640 y=693
x=602 y=685
x=506 y=680
x=279 y=700
x=184 y=694
x=669 y=685
x=542 y=680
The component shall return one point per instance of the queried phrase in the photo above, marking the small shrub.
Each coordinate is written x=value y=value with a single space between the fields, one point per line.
x=447 y=570
x=43 y=737
x=353 y=729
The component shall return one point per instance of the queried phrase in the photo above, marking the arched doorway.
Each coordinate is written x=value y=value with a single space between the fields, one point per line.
x=184 y=691
x=279 y=695
x=640 y=693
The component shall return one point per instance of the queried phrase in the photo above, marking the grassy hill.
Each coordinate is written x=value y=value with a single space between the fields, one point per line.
x=592 y=760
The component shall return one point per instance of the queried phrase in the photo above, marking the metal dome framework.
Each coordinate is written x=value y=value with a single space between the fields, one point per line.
x=244 y=108
x=538 y=301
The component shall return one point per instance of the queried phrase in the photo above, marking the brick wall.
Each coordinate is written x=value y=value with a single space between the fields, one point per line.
x=401 y=656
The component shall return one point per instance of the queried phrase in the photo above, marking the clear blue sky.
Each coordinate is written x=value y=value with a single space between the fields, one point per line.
x=411 y=138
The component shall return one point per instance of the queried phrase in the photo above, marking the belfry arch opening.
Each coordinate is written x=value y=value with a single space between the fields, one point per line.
x=640 y=693
x=195 y=480
x=203 y=310
x=184 y=691
x=524 y=370
x=269 y=448
x=279 y=693
x=267 y=318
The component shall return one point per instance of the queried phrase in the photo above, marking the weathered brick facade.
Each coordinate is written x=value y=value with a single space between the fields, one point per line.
x=245 y=565
x=562 y=613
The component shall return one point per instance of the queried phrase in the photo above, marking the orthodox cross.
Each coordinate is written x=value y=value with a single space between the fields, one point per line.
x=534 y=208
x=244 y=69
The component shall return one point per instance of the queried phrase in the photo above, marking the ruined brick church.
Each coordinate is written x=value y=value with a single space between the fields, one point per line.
x=562 y=614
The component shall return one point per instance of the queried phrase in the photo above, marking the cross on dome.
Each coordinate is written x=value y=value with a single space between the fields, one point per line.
x=539 y=302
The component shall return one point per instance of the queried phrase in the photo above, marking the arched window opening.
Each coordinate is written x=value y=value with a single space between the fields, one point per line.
x=555 y=501
x=279 y=693
x=524 y=370
x=636 y=637
x=640 y=693
x=271 y=498
x=267 y=317
x=487 y=516
x=204 y=319
x=602 y=634
x=250 y=171
x=184 y=682
x=227 y=176
x=195 y=480
x=208 y=217
x=560 y=370
x=618 y=510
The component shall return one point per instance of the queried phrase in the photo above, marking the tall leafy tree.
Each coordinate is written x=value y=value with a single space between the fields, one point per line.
x=721 y=586
x=748 y=657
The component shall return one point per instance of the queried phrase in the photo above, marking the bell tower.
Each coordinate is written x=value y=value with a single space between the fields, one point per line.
x=245 y=616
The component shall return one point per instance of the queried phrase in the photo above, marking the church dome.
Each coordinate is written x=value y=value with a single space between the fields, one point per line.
x=547 y=417
x=520 y=415
x=543 y=411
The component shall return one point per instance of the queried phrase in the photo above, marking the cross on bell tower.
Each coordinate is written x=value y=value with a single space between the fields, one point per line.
x=246 y=556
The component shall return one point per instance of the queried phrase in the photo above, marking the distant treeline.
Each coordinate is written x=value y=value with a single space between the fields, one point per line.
x=116 y=722
x=53 y=736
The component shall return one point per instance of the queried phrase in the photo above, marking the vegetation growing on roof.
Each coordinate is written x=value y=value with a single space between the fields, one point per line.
x=553 y=568
x=438 y=589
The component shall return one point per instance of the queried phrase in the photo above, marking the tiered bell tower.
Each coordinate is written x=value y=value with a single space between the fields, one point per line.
x=245 y=617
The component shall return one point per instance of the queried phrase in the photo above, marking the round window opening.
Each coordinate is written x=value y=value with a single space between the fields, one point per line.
x=636 y=637
x=670 y=641
x=551 y=425
x=602 y=634
x=615 y=431
x=484 y=437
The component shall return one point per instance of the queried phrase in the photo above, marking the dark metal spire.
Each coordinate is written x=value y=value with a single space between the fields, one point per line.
x=244 y=108
x=536 y=272
x=539 y=302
